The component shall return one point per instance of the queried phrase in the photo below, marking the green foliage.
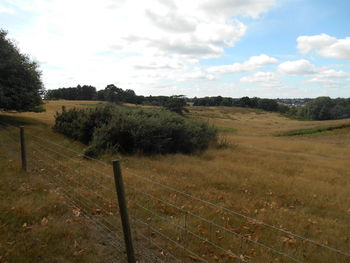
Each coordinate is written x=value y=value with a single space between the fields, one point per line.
x=75 y=93
x=313 y=130
x=282 y=108
x=127 y=130
x=267 y=104
x=20 y=82
x=323 y=108
x=264 y=104
x=80 y=124
x=176 y=104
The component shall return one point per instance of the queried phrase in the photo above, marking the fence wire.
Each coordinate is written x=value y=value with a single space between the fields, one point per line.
x=168 y=225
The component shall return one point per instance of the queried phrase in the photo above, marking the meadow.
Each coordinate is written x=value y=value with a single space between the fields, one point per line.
x=297 y=183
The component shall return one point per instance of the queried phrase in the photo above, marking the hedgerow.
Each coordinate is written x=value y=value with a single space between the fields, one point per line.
x=134 y=130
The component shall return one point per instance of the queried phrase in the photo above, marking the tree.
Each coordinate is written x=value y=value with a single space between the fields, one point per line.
x=268 y=104
x=318 y=109
x=176 y=103
x=20 y=79
x=113 y=93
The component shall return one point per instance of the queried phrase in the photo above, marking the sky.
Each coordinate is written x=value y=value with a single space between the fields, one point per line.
x=232 y=48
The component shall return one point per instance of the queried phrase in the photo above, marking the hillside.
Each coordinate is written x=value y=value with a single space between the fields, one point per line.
x=298 y=183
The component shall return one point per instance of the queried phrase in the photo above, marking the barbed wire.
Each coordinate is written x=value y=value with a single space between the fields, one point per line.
x=192 y=233
x=239 y=214
x=87 y=188
x=220 y=207
x=86 y=202
x=169 y=188
x=74 y=170
x=72 y=200
x=167 y=238
x=115 y=240
x=217 y=225
x=72 y=159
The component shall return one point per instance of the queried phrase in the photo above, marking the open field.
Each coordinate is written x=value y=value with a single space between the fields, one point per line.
x=37 y=224
x=300 y=183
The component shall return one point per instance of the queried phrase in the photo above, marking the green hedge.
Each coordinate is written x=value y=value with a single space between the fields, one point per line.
x=130 y=130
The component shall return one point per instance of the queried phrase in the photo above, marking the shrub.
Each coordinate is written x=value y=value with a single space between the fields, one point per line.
x=126 y=130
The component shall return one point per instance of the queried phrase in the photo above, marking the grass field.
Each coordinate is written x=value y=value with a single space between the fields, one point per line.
x=298 y=183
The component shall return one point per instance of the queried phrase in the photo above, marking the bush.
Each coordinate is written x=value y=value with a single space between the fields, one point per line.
x=325 y=108
x=149 y=131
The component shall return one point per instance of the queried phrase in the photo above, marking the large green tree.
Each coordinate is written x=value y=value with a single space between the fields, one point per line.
x=20 y=78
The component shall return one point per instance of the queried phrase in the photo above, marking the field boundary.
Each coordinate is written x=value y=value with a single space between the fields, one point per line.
x=168 y=224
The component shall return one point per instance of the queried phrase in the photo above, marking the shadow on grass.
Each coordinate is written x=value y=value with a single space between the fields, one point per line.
x=11 y=120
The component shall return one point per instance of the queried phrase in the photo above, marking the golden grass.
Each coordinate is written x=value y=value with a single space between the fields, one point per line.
x=301 y=184
x=37 y=224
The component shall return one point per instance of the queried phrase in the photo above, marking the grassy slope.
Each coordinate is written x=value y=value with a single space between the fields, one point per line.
x=36 y=222
x=36 y=225
x=299 y=183
x=343 y=128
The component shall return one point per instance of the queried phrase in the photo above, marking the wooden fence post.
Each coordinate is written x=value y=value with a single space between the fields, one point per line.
x=23 y=149
x=119 y=185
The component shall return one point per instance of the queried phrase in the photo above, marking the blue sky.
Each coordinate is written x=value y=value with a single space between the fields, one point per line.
x=265 y=48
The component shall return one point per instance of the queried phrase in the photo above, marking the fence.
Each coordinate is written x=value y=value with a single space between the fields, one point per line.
x=167 y=224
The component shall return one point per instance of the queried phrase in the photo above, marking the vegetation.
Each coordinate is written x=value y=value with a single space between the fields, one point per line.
x=36 y=225
x=20 y=78
x=314 y=130
x=258 y=103
x=176 y=104
x=325 y=108
x=127 y=130
x=75 y=93
x=300 y=184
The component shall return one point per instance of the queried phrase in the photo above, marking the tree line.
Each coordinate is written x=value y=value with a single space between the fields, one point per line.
x=322 y=108
x=20 y=79
x=21 y=89
x=114 y=94
x=255 y=102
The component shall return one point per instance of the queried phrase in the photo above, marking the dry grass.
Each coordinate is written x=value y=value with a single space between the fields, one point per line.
x=301 y=184
x=37 y=223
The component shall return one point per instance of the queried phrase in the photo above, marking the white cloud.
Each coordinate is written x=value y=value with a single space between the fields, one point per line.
x=251 y=8
x=328 y=78
x=137 y=43
x=303 y=67
x=331 y=73
x=321 y=81
x=251 y=64
x=7 y=10
x=325 y=46
x=266 y=79
x=196 y=75
x=297 y=67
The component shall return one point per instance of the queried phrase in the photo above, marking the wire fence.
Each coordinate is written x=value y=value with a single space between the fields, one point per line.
x=168 y=224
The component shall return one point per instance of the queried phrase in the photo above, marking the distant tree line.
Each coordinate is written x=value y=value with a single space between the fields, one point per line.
x=174 y=103
x=114 y=94
x=258 y=103
x=74 y=93
x=323 y=108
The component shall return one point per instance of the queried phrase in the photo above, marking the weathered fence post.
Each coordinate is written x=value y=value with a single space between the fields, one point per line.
x=23 y=149
x=119 y=185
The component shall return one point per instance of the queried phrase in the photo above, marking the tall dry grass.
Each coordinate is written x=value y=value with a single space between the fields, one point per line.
x=301 y=184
